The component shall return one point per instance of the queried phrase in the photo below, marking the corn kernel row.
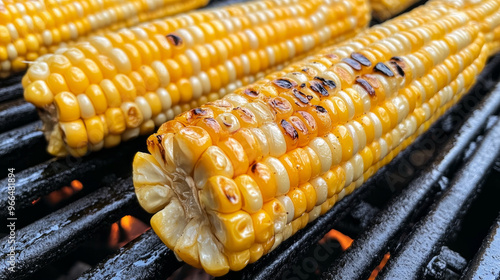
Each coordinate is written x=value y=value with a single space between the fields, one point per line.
x=384 y=9
x=119 y=85
x=29 y=29
x=229 y=181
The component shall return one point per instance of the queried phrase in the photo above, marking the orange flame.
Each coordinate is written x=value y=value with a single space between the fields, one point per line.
x=377 y=270
x=63 y=193
x=76 y=185
x=131 y=228
x=344 y=240
x=114 y=235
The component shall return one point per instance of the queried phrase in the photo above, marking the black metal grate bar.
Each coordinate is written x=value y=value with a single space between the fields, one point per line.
x=367 y=250
x=144 y=258
x=11 y=92
x=50 y=238
x=41 y=179
x=16 y=113
x=486 y=263
x=416 y=251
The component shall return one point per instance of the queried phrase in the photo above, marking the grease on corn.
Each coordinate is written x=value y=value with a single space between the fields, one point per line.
x=132 y=80
x=232 y=179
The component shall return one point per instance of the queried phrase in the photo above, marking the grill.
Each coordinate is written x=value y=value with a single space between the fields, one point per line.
x=432 y=213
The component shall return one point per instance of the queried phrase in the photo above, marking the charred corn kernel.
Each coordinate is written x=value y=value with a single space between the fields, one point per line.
x=265 y=179
x=52 y=24
x=311 y=134
x=179 y=63
x=250 y=193
x=221 y=194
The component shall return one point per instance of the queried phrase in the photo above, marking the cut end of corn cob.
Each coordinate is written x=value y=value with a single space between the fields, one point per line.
x=231 y=180
x=30 y=29
x=117 y=86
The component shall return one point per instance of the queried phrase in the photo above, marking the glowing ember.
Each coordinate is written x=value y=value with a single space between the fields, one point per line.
x=65 y=192
x=35 y=201
x=344 y=240
x=377 y=270
x=76 y=185
x=114 y=235
x=126 y=230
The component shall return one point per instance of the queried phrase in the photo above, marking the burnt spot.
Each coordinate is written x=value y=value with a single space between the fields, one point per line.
x=308 y=118
x=305 y=70
x=396 y=58
x=251 y=93
x=333 y=56
x=310 y=97
x=174 y=39
x=301 y=97
x=159 y=138
x=282 y=83
x=280 y=104
x=232 y=197
x=254 y=168
x=384 y=69
x=245 y=114
x=303 y=85
x=372 y=80
x=318 y=87
x=361 y=59
x=329 y=83
x=353 y=63
x=362 y=82
x=299 y=124
x=289 y=129
x=212 y=124
x=321 y=109
x=200 y=112
x=400 y=70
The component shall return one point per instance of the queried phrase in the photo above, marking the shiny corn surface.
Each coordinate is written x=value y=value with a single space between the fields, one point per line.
x=30 y=29
x=232 y=179
x=120 y=85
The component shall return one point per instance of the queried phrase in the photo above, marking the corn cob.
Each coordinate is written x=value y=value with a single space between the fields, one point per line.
x=229 y=181
x=384 y=9
x=29 y=29
x=120 y=85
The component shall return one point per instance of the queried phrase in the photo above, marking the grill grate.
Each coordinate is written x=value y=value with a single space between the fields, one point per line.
x=409 y=208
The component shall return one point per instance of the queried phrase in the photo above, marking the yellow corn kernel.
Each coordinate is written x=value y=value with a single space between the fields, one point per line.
x=263 y=226
x=67 y=106
x=221 y=194
x=234 y=230
x=95 y=129
x=75 y=134
x=39 y=94
x=115 y=121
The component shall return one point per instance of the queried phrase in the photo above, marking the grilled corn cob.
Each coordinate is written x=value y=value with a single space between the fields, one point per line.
x=384 y=9
x=120 y=85
x=29 y=29
x=231 y=180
